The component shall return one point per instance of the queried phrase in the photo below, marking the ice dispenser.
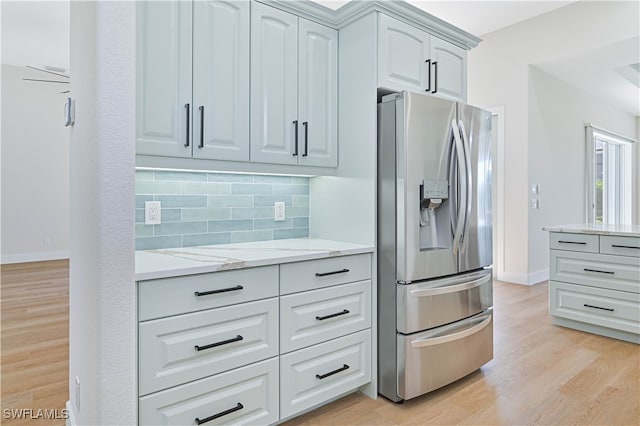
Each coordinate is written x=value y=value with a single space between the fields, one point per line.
x=434 y=215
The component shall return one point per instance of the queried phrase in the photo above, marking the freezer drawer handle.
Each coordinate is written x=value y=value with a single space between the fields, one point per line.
x=222 y=290
x=433 y=341
x=220 y=414
x=573 y=242
x=331 y=373
x=600 y=272
x=425 y=292
x=324 y=274
x=631 y=247
x=598 y=307
x=216 y=344
x=337 y=314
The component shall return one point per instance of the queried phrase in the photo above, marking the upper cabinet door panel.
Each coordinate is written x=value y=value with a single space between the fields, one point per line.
x=274 y=84
x=221 y=80
x=451 y=69
x=163 y=79
x=402 y=54
x=317 y=96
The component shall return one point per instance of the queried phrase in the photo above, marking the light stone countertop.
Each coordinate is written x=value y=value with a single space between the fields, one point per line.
x=173 y=262
x=597 y=229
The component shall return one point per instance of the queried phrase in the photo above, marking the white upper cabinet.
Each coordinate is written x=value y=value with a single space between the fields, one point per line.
x=411 y=59
x=163 y=78
x=294 y=73
x=221 y=80
x=193 y=79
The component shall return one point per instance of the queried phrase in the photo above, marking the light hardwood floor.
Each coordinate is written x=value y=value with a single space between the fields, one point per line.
x=540 y=374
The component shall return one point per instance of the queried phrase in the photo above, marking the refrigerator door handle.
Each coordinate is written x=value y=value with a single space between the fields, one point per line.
x=462 y=171
x=426 y=292
x=432 y=341
x=469 y=186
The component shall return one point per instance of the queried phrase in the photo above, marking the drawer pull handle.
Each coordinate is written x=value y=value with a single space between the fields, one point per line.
x=220 y=414
x=337 y=314
x=600 y=272
x=598 y=307
x=572 y=242
x=324 y=274
x=331 y=373
x=222 y=290
x=631 y=247
x=224 y=342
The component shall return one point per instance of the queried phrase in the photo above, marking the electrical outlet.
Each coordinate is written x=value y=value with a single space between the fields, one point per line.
x=279 y=211
x=152 y=213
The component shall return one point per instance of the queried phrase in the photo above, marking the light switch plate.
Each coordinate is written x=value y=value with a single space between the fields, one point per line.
x=535 y=188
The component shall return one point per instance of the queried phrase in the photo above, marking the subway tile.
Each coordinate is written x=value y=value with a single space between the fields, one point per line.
x=143 y=230
x=141 y=199
x=206 y=214
x=300 y=222
x=151 y=243
x=269 y=200
x=181 y=176
x=170 y=215
x=228 y=177
x=208 y=188
x=290 y=189
x=144 y=174
x=178 y=228
x=251 y=189
x=299 y=180
x=272 y=179
x=297 y=212
x=281 y=234
x=248 y=236
x=230 y=225
x=182 y=200
x=155 y=187
x=252 y=212
x=206 y=239
x=272 y=224
x=230 y=201
x=139 y=215
x=300 y=201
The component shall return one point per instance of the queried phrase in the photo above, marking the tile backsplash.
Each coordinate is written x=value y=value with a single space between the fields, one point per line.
x=199 y=208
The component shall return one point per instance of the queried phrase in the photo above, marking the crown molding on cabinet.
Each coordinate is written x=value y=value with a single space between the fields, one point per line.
x=400 y=10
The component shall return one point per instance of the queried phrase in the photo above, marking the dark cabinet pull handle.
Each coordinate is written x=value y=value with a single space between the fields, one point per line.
x=222 y=290
x=428 y=89
x=306 y=138
x=324 y=274
x=331 y=373
x=337 y=314
x=435 y=72
x=216 y=344
x=220 y=414
x=631 y=247
x=295 y=144
x=187 y=107
x=598 y=307
x=600 y=272
x=201 y=108
x=572 y=242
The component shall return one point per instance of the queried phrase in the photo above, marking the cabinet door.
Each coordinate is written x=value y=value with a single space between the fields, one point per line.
x=163 y=79
x=317 y=95
x=221 y=80
x=274 y=85
x=449 y=76
x=402 y=54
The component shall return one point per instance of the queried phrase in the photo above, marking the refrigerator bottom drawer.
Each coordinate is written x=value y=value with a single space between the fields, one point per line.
x=435 y=358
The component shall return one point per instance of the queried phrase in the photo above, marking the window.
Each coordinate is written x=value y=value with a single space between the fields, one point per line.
x=609 y=177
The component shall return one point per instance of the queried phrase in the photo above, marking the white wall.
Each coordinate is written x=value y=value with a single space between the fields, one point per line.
x=35 y=168
x=499 y=76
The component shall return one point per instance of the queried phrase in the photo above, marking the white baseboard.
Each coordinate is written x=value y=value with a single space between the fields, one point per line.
x=71 y=420
x=6 y=259
x=539 y=276
x=524 y=279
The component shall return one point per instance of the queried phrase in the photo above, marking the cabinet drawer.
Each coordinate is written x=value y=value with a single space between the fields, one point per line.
x=248 y=395
x=172 y=296
x=313 y=274
x=320 y=315
x=596 y=270
x=574 y=242
x=314 y=375
x=622 y=246
x=180 y=349
x=607 y=308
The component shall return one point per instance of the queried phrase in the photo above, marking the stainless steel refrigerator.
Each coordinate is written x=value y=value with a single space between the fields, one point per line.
x=435 y=290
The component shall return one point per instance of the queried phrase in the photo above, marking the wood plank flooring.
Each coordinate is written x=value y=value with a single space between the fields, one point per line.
x=34 y=342
x=540 y=374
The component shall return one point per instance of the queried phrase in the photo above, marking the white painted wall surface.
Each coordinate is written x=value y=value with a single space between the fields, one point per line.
x=102 y=292
x=35 y=168
x=499 y=76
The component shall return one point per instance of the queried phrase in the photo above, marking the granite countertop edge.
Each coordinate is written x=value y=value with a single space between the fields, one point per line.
x=596 y=229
